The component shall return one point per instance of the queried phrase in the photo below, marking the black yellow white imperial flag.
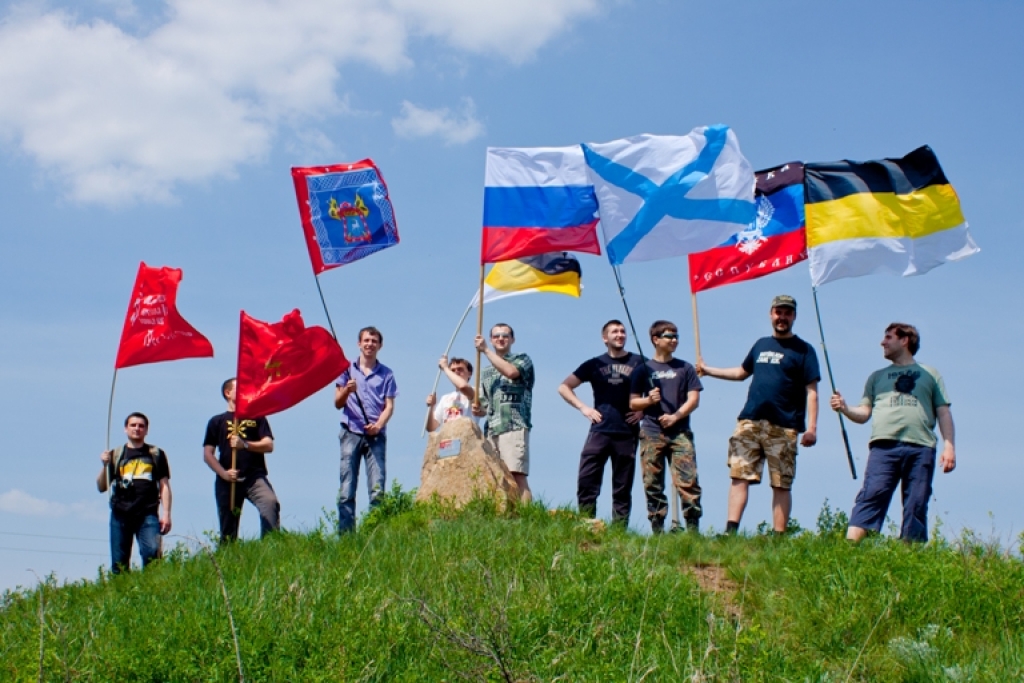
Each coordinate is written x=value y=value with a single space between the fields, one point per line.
x=894 y=215
x=558 y=272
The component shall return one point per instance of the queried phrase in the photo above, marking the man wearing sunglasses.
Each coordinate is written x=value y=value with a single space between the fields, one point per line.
x=506 y=389
x=667 y=390
x=782 y=394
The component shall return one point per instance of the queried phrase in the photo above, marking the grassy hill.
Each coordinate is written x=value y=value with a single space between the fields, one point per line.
x=423 y=595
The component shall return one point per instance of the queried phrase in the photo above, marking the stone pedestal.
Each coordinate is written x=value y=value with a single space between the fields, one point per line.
x=460 y=465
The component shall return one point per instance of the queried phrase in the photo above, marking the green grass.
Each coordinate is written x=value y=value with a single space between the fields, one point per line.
x=420 y=593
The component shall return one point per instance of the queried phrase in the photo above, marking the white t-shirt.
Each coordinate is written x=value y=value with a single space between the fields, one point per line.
x=453 y=406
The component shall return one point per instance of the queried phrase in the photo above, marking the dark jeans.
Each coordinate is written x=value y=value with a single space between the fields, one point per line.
x=122 y=530
x=598 y=449
x=258 y=491
x=356 y=447
x=892 y=463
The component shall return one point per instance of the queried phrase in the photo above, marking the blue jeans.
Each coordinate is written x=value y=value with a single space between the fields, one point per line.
x=355 y=447
x=892 y=464
x=122 y=530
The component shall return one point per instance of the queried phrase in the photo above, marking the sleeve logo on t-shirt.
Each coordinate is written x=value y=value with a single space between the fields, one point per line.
x=771 y=357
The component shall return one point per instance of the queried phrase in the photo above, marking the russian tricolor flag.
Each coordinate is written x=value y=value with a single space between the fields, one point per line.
x=537 y=200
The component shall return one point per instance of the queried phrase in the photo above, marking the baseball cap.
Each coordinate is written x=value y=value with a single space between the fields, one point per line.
x=784 y=300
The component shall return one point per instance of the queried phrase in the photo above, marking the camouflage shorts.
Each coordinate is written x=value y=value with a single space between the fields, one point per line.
x=753 y=442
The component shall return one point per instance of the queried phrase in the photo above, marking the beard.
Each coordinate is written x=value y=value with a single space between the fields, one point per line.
x=783 y=326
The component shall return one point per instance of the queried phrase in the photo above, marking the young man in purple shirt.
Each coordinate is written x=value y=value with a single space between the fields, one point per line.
x=365 y=393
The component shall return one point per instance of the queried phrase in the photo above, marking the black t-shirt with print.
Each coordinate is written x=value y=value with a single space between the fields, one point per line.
x=676 y=379
x=247 y=463
x=610 y=379
x=134 y=484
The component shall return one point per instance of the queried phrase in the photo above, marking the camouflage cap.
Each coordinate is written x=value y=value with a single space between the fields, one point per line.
x=784 y=300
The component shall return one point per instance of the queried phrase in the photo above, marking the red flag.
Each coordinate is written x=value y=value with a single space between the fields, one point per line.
x=774 y=241
x=280 y=364
x=154 y=331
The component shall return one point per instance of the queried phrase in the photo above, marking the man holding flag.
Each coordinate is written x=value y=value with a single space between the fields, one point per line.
x=783 y=393
x=365 y=393
x=905 y=400
x=246 y=442
x=506 y=400
x=141 y=481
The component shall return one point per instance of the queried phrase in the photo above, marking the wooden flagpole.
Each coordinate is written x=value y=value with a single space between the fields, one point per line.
x=110 y=414
x=479 y=332
x=447 y=350
x=696 y=325
x=234 y=455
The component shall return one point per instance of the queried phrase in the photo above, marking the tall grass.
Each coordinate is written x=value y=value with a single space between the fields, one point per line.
x=421 y=593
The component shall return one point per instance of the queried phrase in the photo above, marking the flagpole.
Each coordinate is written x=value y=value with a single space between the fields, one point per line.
x=629 y=316
x=447 y=349
x=330 y=324
x=234 y=461
x=696 y=325
x=828 y=366
x=479 y=332
x=110 y=414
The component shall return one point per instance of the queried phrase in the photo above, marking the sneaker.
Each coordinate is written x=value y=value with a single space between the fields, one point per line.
x=658 y=525
x=693 y=525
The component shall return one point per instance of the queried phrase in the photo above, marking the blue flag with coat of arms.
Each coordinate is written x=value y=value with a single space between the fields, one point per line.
x=663 y=196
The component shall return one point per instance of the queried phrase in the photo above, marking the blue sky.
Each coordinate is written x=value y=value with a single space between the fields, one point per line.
x=165 y=132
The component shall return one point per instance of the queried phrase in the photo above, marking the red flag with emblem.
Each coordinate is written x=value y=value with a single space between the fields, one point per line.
x=154 y=331
x=280 y=364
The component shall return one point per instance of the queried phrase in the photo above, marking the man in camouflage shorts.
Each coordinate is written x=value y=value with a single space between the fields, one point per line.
x=667 y=390
x=782 y=394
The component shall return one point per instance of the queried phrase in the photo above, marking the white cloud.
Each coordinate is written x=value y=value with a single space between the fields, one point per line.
x=21 y=503
x=113 y=116
x=415 y=122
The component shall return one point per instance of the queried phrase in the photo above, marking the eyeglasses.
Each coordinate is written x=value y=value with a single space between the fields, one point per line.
x=501 y=336
x=668 y=335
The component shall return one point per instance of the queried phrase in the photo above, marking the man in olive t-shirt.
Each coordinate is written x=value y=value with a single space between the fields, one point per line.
x=906 y=399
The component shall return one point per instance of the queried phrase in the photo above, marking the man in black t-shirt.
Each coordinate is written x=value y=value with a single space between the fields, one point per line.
x=782 y=394
x=140 y=479
x=251 y=440
x=667 y=390
x=613 y=428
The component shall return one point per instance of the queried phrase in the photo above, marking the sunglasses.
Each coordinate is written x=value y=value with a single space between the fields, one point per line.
x=669 y=335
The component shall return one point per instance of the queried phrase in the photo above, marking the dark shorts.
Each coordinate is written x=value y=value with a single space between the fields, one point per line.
x=891 y=464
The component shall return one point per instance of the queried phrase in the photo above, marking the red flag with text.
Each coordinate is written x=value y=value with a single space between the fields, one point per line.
x=280 y=364
x=154 y=331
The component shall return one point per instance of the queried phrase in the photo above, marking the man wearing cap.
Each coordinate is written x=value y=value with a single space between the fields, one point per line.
x=783 y=393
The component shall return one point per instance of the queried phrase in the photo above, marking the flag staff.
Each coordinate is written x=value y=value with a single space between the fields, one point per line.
x=632 y=327
x=828 y=366
x=110 y=414
x=330 y=324
x=696 y=325
x=479 y=332
x=447 y=349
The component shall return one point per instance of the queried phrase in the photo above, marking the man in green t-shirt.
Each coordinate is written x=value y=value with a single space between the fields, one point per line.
x=905 y=399
x=506 y=397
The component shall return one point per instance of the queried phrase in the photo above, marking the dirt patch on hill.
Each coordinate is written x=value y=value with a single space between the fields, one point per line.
x=715 y=579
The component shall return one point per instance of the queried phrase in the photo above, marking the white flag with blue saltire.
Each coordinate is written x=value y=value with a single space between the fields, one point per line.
x=661 y=196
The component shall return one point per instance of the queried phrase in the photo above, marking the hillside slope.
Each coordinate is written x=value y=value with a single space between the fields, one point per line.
x=534 y=597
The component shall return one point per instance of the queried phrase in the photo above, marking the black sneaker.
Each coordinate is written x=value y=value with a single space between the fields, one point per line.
x=658 y=526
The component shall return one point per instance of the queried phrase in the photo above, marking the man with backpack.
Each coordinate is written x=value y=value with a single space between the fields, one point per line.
x=140 y=479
